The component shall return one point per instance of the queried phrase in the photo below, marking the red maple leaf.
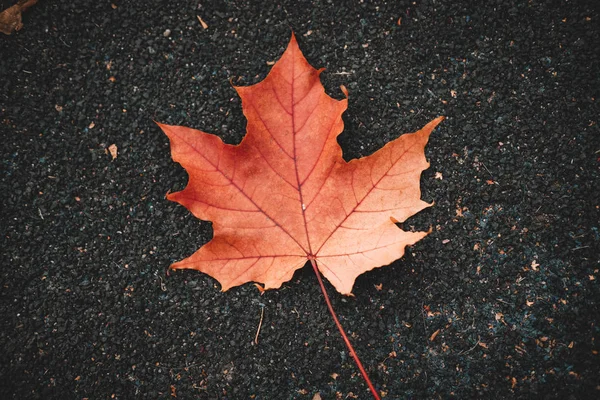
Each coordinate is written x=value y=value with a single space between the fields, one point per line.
x=285 y=195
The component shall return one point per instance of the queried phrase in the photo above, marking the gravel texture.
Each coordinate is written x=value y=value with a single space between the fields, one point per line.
x=501 y=301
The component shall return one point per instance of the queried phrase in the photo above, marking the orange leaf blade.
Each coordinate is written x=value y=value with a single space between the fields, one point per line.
x=285 y=195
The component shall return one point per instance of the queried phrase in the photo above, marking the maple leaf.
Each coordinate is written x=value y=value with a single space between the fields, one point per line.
x=285 y=195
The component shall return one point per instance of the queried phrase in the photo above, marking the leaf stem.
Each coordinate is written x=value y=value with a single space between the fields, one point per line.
x=343 y=333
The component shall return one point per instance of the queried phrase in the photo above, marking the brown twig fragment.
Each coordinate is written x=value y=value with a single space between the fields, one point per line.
x=10 y=19
x=262 y=314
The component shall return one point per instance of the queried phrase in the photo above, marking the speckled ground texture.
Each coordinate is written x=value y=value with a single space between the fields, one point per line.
x=500 y=301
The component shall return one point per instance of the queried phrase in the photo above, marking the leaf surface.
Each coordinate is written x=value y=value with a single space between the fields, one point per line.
x=285 y=195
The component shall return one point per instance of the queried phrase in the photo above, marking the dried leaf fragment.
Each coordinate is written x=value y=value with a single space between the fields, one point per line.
x=204 y=24
x=534 y=265
x=112 y=150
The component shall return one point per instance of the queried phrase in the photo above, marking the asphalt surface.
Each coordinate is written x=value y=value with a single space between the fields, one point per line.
x=500 y=301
